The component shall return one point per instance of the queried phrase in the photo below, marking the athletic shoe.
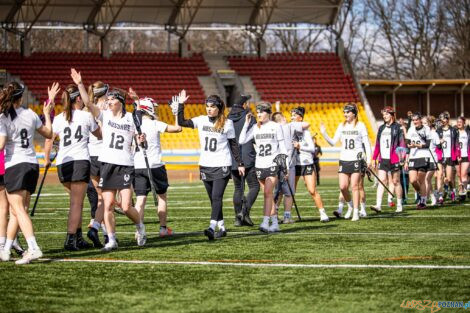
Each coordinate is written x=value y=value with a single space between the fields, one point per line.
x=82 y=243
x=221 y=233
x=238 y=222
x=338 y=214
x=110 y=246
x=462 y=197
x=433 y=201
x=247 y=220
x=165 y=232
x=106 y=239
x=421 y=206
x=92 y=234
x=287 y=220
x=440 y=201
x=209 y=233
x=452 y=196
x=264 y=227
x=70 y=243
x=391 y=204
x=323 y=217
x=355 y=215
x=363 y=213
x=348 y=214
x=5 y=255
x=28 y=256
x=376 y=209
x=399 y=209
x=274 y=228
x=141 y=236
x=17 y=247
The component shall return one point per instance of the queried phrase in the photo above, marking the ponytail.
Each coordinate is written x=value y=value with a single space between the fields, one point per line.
x=9 y=96
x=69 y=97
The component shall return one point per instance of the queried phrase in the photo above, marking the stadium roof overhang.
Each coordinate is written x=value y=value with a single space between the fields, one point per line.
x=413 y=86
x=168 y=13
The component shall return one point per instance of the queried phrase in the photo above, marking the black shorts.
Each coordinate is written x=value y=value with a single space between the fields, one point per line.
x=95 y=166
x=349 y=167
x=22 y=176
x=463 y=160
x=448 y=162
x=2 y=180
x=385 y=165
x=304 y=170
x=432 y=166
x=142 y=181
x=263 y=173
x=74 y=171
x=116 y=176
x=214 y=173
x=420 y=164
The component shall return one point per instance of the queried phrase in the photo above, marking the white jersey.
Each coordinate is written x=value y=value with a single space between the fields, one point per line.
x=385 y=142
x=118 y=134
x=215 y=150
x=446 y=145
x=73 y=136
x=288 y=131
x=94 y=144
x=6 y=127
x=434 y=142
x=152 y=130
x=419 y=137
x=463 y=143
x=269 y=142
x=353 y=138
x=307 y=148
x=19 y=146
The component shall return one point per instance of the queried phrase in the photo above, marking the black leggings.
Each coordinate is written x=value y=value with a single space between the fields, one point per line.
x=215 y=189
x=92 y=198
x=253 y=185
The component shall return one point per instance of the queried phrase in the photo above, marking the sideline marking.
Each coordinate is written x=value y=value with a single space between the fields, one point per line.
x=268 y=265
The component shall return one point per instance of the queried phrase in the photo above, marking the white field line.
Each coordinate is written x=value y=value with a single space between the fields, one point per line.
x=266 y=265
x=287 y=233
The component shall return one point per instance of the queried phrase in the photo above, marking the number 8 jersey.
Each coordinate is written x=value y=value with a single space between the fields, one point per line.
x=118 y=134
x=73 y=136
x=215 y=150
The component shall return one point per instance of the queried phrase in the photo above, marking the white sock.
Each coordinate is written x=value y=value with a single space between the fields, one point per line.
x=322 y=211
x=274 y=219
x=340 y=206
x=399 y=203
x=389 y=198
x=379 y=196
x=287 y=214
x=139 y=226
x=32 y=244
x=103 y=228
x=221 y=225
x=112 y=237
x=8 y=244
x=363 y=206
x=96 y=225
x=423 y=200
x=3 y=240
x=213 y=224
x=266 y=220
x=350 y=205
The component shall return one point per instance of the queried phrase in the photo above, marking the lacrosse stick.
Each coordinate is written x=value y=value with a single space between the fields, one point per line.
x=401 y=151
x=369 y=171
x=280 y=161
x=55 y=148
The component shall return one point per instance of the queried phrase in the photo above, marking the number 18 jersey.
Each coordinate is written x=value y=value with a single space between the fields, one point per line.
x=352 y=138
x=215 y=151
x=118 y=134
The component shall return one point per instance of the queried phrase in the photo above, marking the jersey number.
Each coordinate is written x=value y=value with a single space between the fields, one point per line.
x=388 y=144
x=349 y=144
x=117 y=142
x=24 y=138
x=444 y=145
x=211 y=144
x=461 y=145
x=265 y=150
x=68 y=134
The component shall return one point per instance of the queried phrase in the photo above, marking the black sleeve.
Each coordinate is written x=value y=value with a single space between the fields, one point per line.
x=427 y=144
x=181 y=121
x=409 y=124
x=235 y=149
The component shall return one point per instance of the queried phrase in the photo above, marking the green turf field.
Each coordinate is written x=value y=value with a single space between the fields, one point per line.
x=368 y=266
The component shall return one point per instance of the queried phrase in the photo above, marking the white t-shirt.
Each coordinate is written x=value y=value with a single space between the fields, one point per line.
x=288 y=131
x=307 y=148
x=118 y=134
x=6 y=127
x=434 y=142
x=463 y=143
x=19 y=146
x=269 y=142
x=152 y=130
x=446 y=145
x=419 y=137
x=353 y=137
x=385 y=142
x=73 y=136
x=215 y=150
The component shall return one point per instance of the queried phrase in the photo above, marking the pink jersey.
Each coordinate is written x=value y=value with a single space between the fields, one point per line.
x=2 y=162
